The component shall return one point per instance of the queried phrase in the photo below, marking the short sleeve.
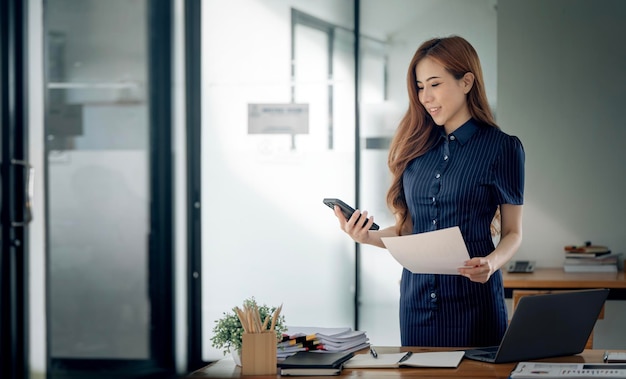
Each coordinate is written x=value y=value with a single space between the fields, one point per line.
x=508 y=172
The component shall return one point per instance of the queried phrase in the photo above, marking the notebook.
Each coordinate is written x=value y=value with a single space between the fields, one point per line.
x=314 y=363
x=449 y=359
x=547 y=325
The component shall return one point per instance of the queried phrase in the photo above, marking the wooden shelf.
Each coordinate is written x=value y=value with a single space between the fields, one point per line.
x=553 y=278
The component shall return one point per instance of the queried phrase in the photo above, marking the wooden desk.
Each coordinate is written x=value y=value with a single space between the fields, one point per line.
x=226 y=368
x=556 y=278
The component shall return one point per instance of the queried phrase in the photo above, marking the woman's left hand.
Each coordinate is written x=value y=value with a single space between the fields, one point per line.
x=477 y=269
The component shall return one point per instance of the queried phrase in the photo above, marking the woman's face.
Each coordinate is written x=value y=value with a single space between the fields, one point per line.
x=443 y=96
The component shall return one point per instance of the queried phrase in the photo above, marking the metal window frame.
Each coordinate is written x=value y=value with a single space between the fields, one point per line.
x=14 y=360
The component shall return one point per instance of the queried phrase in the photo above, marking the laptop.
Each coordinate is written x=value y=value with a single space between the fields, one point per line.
x=546 y=325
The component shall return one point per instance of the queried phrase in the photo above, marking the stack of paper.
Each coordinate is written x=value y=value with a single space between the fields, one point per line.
x=291 y=344
x=321 y=340
x=350 y=340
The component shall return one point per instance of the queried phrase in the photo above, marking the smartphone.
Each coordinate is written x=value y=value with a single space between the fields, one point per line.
x=345 y=209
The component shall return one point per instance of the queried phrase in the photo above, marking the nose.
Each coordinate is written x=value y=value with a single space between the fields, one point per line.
x=425 y=95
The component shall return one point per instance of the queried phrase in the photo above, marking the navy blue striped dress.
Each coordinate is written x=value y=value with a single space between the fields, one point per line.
x=460 y=182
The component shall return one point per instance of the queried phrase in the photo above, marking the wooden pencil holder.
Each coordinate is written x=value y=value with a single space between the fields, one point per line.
x=258 y=353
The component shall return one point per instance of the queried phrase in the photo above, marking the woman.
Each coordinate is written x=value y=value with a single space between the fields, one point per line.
x=451 y=166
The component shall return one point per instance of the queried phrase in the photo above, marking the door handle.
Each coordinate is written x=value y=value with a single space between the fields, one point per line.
x=28 y=193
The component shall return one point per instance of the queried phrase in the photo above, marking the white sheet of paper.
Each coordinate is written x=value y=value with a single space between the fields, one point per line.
x=438 y=252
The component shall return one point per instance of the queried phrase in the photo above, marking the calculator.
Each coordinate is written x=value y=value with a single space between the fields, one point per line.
x=521 y=266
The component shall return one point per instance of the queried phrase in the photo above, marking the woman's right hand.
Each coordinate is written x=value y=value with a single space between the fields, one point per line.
x=354 y=226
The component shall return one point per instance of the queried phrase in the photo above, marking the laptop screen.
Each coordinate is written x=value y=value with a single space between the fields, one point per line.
x=549 y=325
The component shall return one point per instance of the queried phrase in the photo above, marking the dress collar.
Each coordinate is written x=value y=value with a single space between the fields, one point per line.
x=463 y=133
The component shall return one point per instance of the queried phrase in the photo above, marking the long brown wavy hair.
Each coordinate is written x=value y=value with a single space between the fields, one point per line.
x=417 y=131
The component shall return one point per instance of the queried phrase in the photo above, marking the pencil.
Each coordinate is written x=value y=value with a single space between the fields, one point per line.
x=275 y=316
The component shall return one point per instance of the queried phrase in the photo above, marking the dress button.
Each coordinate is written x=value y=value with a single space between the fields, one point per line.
x=434 y=200
x=445 y=157
x=434 y=222
x=452 y=138
x=438 y=176
x=433 y=295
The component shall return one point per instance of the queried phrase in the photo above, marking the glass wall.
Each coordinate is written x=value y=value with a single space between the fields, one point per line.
x=277 y=137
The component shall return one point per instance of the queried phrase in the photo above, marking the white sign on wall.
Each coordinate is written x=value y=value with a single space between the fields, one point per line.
x=286 y=118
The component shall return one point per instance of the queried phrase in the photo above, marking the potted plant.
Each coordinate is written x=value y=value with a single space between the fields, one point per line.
x=228 y=331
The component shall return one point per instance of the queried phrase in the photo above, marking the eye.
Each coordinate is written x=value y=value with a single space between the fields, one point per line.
x=435 y=84
x=420 y=89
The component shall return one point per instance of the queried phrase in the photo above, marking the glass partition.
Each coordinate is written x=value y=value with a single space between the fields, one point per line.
x=277 y=137
x=97 y=136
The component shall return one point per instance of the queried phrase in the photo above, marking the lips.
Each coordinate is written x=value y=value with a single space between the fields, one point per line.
x=433 y=110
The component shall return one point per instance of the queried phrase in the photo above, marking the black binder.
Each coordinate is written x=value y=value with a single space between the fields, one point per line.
x=314 y=363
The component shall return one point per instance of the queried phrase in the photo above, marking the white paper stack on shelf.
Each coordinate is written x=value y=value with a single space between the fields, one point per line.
x=590 y=258
x=327 y=340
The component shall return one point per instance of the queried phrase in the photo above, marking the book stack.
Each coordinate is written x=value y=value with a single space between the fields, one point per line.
x=321 y=340
x=590 y=258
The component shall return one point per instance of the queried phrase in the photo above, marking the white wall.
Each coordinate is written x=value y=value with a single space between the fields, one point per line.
x=561 y=90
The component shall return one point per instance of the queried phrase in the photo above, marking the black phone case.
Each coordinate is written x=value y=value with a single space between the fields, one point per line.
x=345 y=209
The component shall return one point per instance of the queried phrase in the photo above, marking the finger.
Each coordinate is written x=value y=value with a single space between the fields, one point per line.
x=369 y=223
x=354 y=218
x=339 y=214
x=474 y=262
x=364 y=218
x=341 y=219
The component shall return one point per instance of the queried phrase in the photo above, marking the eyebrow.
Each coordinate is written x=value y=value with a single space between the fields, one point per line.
x=432 y=77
